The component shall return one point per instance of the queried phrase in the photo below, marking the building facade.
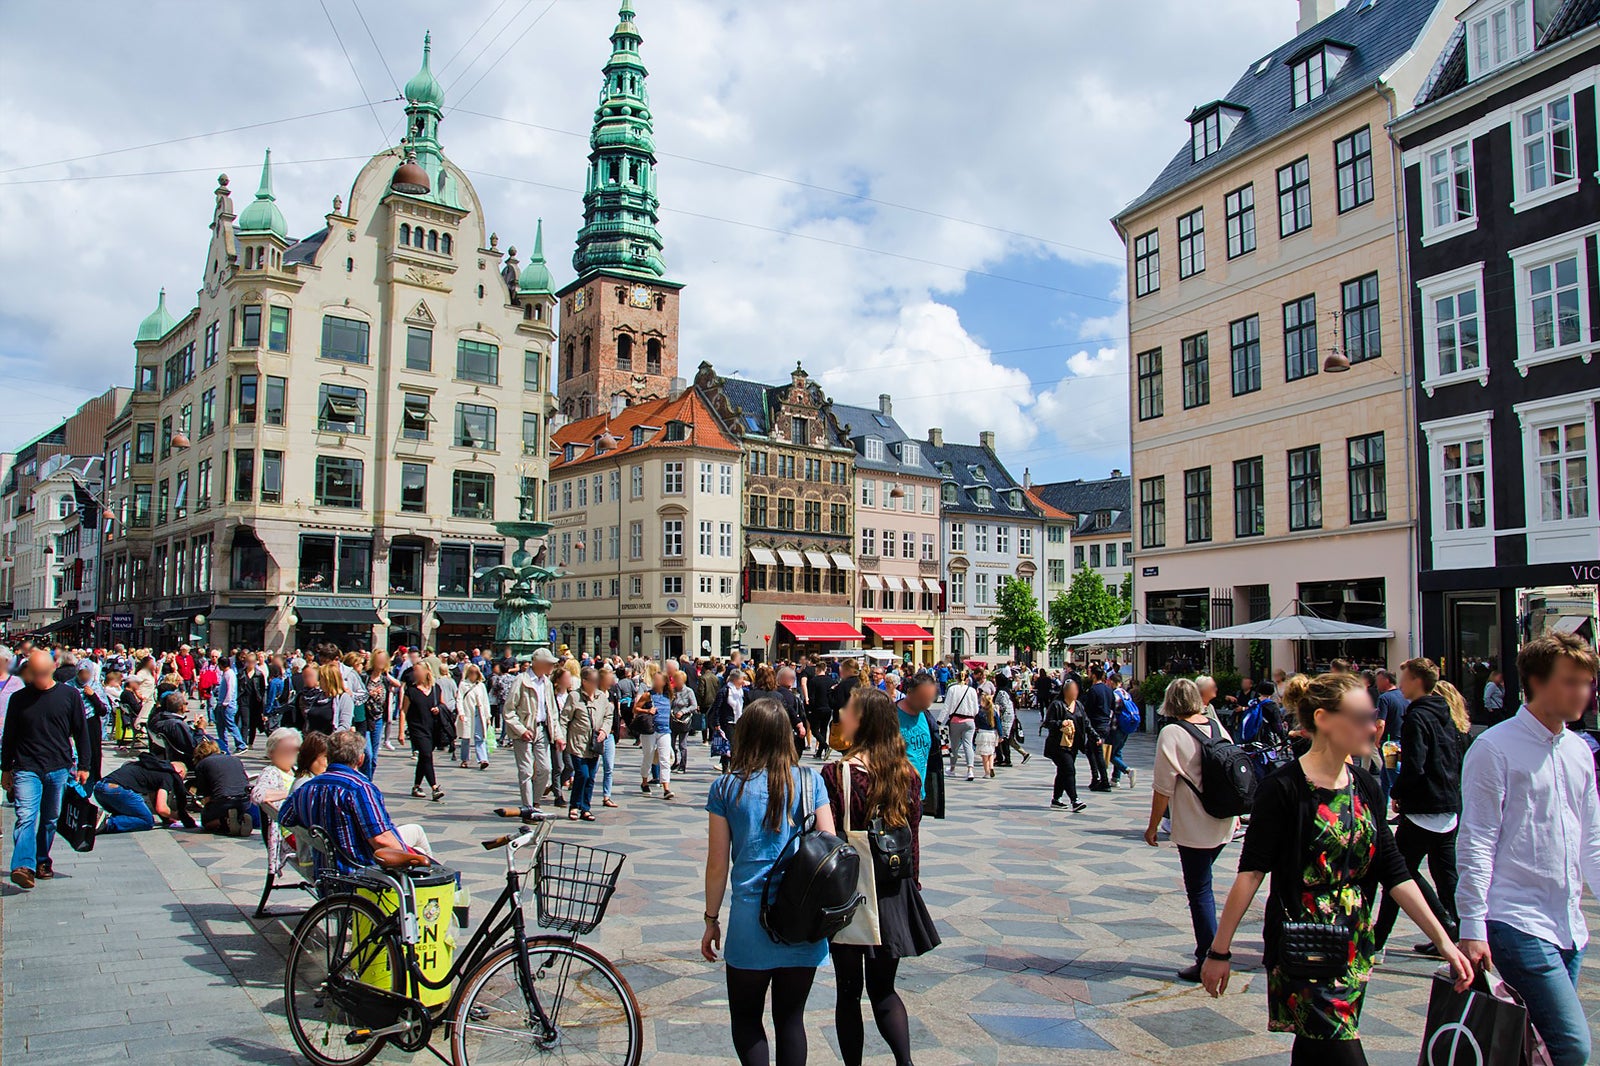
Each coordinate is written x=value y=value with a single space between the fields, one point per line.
x=1503 y=219
x=645 y=509
x=319 y=448
x=900 y=596
x=1276 y=480
x=1102 y=526
x=798 y=589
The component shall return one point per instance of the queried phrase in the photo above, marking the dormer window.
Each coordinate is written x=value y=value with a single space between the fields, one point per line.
x=1014 y=498
x=947 y=493
x=1209 y=127
x=873 y=449
x=1102 y=520
x=638 y=436
x=677 y=431
x=569 y=452
x=911 y=453
x=982 y=497
x=1500 y=34
x=978 y=473
x=1313 y=71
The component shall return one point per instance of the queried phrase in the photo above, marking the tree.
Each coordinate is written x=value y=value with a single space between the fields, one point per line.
x=1086 y=604
x=1018 y=623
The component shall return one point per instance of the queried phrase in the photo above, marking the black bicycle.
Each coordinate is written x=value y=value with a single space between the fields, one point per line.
x=356 y=978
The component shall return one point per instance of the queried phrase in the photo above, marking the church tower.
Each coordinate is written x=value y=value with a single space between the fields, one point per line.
x=619 y=318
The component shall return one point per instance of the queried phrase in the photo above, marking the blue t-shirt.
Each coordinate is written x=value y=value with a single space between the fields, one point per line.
x=662 y=705
x=1391 y=710
x=914 y=728
x=746 y=946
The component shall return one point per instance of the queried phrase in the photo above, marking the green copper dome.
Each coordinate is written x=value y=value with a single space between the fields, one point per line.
x=157 y=323
x=263 y=214
x=424 y=88
x=535 y=277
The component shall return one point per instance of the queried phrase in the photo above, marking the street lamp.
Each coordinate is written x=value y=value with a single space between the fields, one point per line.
x=1336 y=362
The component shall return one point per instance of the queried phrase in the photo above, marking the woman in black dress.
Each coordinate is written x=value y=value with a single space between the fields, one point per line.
x=1063 y=750
x=883 y=785
x=419 y=707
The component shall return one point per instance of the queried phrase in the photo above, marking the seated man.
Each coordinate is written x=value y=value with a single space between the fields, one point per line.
x=170 y=723
x=139 y=794
x=349 y=809
x=224 y=788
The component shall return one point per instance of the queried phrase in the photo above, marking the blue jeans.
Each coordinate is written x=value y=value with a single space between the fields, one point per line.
x=38 y=799
x=128 y=811
x=582 y=784
x=228 y=726
x=477 y=744
x=608 y=763
x=1546 y=977
x=1118 y=767
x=1197 y=863
x=373 y=731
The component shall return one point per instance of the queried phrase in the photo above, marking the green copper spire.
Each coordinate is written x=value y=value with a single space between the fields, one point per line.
x=263 y=215
x=424 y=110
x=620 y=207
x=535 y=277
x=424 y=88
x=157 y=323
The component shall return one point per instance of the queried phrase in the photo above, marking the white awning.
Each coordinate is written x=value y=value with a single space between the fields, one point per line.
x=790 y=557
x=843 y=561
x=931 y=584
x=891 y=582
x=874 y=582
x=818 y=560
x=763 y=557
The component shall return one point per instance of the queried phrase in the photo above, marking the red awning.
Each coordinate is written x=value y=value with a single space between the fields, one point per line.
x=899 y=631
x=802 y=629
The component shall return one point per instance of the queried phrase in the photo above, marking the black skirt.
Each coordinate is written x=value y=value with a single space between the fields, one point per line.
x=905 y=928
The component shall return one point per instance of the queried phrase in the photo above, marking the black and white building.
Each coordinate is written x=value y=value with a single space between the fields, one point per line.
x=1502 y=203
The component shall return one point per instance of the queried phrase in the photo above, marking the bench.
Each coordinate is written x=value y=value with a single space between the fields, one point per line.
x=306 y=882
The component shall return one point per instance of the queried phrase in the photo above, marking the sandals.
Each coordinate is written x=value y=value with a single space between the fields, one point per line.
x=608 y=803
x=572 y=815
x=587 y=816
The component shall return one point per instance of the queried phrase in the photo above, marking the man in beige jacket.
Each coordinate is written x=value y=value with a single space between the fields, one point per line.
x=530 y=714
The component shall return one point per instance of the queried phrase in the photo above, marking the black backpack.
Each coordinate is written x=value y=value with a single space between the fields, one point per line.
x=1227 y=776
x=810 y=891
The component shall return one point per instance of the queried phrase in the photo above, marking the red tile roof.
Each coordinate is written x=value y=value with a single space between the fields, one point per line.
x=1044 y=508
x=704 y=431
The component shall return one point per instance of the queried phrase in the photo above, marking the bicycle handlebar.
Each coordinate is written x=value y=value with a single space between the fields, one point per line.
x=497 y=842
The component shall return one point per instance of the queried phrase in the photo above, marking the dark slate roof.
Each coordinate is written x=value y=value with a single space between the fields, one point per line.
x=750 y=397
x=859 y=423
x=1379 y=33
x=1086 y=499
x=305 y=251
x=1450 y=72
x=971 y=467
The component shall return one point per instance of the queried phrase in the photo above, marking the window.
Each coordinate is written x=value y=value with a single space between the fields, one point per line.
x=244 y=475
x=636 y=482
x=758 y=511
x=980 y=593
x=873 y=449
x=1196 y=371
x=1150 y=397
x=414 y=416
x=672 y=478
x=980 y=537
x=1551 y=319
x=272 y=409
x=1305 y=488
x=1465 y=475
x=1369 y=498
x=532 y=370
x=271 y=477
x=930 y=545
x=1197 y=505
x=1499 y=36
x=1294 y=197
x=1056 y=572
x=1024 y=542
x=250 y=326
x=957 y=587
x=635 y=540
x=1207 y=132
x=1451 y=206
x=1153 y=512
x=208 y=411
x=785 y=517
x=705 y=538
x=1451 y=327
x=476 y=361
x=1300 y=338
x=163 y=501
x=672 y=584
x=1094 y=556
x=475 y=426
x=725 y=540
x=1563 y=467
x=344 y=339
x=1363 y=329
x=1311 y=74
x=1352 y=159
x=1147 y=263
x=869 y=542
x=414 y=488
x=247 y=399
x=813 y=516
x=1546 y=157
x=1241 y=211
x=1191 y=243
x=338 y=481
x=144 y=443
x=419 y=348
x=800 y=430
x=202 y=485
x=277 y=329
x=472 y=494
x=342 y=409
x=166 y=437
x=958 y=536
x=1249 y=498
x=869 y=492
x=1244 y=354
x=672 y=538
x=530 y=443
x=705 y=478
x=209 y=352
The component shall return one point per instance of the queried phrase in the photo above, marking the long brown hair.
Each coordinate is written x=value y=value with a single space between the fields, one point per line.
x=892 y=777
x=763 y=740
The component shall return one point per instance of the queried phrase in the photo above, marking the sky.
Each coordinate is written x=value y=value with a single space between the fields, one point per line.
x=907 y=198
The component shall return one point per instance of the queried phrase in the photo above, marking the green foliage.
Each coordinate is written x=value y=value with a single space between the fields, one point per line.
x=1018 y=622
x=1153 y=686
x=1085 y=605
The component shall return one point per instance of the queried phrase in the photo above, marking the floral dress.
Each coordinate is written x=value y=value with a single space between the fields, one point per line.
x=1341 y=842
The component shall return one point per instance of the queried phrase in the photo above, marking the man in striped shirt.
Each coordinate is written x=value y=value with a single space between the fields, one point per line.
x=347 y=807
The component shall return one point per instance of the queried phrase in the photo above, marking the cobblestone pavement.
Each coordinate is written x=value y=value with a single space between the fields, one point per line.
x=1061 y=937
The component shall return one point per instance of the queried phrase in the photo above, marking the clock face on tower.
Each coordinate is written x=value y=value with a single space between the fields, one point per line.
x=640 y=296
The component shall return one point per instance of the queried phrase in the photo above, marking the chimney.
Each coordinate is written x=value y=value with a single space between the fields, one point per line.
x=1313 y=12
x=936 y=436
x=1027 y=478
x=677 y=389
x=885 y=407
x=986 y=438
x=1115 y=472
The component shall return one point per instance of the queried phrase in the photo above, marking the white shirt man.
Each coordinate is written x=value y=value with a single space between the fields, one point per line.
x=529 y=713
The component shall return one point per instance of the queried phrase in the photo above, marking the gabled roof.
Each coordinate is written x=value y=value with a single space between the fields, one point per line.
x=1086 y=500
x=1044 y=508
x=752 y=403
x=689 y=408
x=1377 y=34
x=972 y=467
x=859 y=423
x=1450 y=72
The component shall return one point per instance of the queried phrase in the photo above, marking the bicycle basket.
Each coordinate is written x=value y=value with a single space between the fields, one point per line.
x=574 y=884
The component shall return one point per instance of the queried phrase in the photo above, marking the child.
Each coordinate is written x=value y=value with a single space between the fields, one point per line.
x=987 y=739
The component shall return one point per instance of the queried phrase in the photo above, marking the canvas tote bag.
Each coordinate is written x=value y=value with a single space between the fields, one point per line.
x=863 y=928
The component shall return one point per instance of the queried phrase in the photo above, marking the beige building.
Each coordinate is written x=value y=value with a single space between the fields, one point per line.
x=319 y=448
x=1262 y=262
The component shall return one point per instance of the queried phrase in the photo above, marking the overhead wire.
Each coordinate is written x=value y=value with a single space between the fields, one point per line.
x=383 y=131
x=355 y=4
x=474 y=34
x=516 y=41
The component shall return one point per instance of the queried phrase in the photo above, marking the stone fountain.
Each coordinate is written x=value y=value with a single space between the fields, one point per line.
x=524 y=602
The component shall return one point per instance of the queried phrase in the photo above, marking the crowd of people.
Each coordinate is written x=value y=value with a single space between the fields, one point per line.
x=1355 y=781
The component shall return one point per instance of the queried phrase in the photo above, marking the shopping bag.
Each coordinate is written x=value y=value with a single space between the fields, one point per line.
x=79 y=818
x=863 y=928
x=1487 y=1025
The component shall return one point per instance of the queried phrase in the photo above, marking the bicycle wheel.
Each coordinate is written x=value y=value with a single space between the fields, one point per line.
x=333 y=957
x=592 y=1011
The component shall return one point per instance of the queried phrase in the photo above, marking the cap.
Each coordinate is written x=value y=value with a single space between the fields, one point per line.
x=544 y=655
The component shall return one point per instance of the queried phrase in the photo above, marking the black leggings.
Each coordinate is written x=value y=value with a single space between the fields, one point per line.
x=1308 y=1052
x=850 y=964
x=747 y=999
x=424 y=745
x=1066 y=775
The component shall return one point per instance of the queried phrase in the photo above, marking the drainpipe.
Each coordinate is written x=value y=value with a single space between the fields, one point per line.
x=1407 y=386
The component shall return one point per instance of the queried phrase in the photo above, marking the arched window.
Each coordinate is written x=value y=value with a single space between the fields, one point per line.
x=624 y=352
x=444 y=244
x=652 y=356
x=538 y=312
x=958 y=642
x=661 y=302
x=419 y=237
x=585 y=406
x=567 y=373
x=433 y=240
x=586 y=355
x=480 y=292
x=349 y=265
x=405 y=233
x=622 y=295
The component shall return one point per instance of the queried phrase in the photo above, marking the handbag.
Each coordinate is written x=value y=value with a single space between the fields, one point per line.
x=721 y=748
x=836 y=737
x=1487 y=1025
x=79 y=818
x=1320 y=951
x=863 y=930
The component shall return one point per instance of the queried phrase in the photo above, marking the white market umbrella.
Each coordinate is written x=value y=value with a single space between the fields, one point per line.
x=1133 y=632
x=1300 y=626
